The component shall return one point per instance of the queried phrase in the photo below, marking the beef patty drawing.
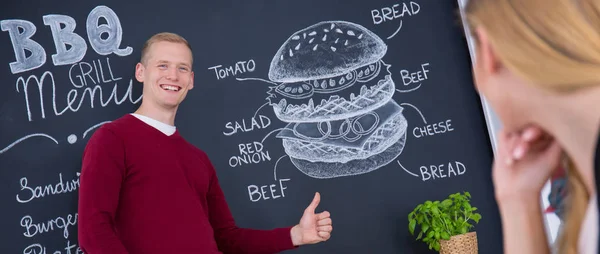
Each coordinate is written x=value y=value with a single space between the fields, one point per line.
x=335 y=93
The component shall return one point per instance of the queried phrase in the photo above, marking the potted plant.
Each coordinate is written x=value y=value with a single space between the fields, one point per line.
x=446 y=225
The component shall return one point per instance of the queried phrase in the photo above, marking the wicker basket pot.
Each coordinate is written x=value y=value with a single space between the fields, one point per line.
x=460 y=244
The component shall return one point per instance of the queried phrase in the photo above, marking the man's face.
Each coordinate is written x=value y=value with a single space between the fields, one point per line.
x=167 y=74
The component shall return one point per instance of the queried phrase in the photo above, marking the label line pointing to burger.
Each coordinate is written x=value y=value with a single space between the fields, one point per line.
x=260 y=108
x=273 y=131
x=257 y=79
x=419 y=111
x=398 y=30
x=275 y=167
x=407 y=170
x=409 y=90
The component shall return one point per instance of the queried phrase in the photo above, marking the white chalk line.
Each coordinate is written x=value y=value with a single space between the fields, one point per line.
x=93 y=127
x=257 y=79
x=408 y=104
x=260 y=108
x=391 y=36
x=409 y=90
x=276 y=130
x=275 y=168
x=407 y=170
x=27 y=137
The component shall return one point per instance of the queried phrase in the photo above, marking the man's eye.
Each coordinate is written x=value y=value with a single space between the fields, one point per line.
x=162 y=66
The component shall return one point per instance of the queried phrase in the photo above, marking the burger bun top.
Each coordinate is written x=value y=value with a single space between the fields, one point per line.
x=324 y=50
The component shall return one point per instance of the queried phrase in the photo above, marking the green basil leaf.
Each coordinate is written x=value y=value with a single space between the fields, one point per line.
x=445 y=236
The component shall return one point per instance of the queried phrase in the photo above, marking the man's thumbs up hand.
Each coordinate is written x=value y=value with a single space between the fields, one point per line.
x=313 y=228
x=313 y=205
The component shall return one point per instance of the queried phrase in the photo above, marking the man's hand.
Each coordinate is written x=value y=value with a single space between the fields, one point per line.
x=313 y=228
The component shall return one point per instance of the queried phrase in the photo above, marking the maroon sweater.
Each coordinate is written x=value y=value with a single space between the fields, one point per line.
x=145 y=192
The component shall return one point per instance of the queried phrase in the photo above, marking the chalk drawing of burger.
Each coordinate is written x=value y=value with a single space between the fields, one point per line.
x=335 y=93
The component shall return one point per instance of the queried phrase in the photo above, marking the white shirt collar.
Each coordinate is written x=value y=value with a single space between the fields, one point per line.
x=163 y=127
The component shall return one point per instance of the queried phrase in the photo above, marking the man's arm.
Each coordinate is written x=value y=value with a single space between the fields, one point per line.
x=232 y=239
x=102 y=172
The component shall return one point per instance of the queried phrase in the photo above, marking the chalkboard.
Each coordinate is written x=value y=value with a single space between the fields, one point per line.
x=370 y=103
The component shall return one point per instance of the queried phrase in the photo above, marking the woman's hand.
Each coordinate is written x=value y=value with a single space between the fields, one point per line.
x=524 y=162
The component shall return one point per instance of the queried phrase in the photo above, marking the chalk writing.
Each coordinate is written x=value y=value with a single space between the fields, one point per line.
x=239 y=68
x=29 y=193
x=79 y=77
x=409 y=77
x=266 y=192
x=37 y=248
x=62 y=28
x=433 y=129
x=32 y=229
x=440 y=171
x=112 y=28
x=391 y=13
x=73 y=102
x=22 y=41
x=250 y=153
x=25 y=138
x=63 y=37
x=260 y=122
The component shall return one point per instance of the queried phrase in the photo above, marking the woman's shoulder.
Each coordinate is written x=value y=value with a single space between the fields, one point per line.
x=595 y=198
x=597 y=157
x=597 y=163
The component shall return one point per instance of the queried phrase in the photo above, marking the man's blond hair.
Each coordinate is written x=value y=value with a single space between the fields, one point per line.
x=164 y=36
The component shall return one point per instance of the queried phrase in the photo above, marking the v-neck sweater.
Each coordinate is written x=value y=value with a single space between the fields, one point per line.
x=142 y=191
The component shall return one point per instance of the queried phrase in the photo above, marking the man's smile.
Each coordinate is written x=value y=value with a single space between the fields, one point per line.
x=168 y=87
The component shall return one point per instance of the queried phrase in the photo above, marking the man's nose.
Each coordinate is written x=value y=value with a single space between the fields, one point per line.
x=172 y=74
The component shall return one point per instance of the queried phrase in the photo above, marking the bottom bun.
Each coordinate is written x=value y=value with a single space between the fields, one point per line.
x=324 y=170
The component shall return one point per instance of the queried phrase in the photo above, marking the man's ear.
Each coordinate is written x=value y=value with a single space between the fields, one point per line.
x=191 y=81
x=486 y=55
x=139 y=72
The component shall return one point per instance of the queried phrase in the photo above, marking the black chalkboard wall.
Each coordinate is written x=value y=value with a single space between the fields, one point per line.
x=426 y=115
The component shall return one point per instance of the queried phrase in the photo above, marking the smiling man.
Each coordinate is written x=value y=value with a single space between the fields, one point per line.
x=145 y=189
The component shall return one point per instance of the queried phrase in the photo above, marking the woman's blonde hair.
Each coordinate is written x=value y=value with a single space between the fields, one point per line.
x=554 y=44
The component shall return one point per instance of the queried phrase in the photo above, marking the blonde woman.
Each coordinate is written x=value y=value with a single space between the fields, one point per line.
x=538 y=64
